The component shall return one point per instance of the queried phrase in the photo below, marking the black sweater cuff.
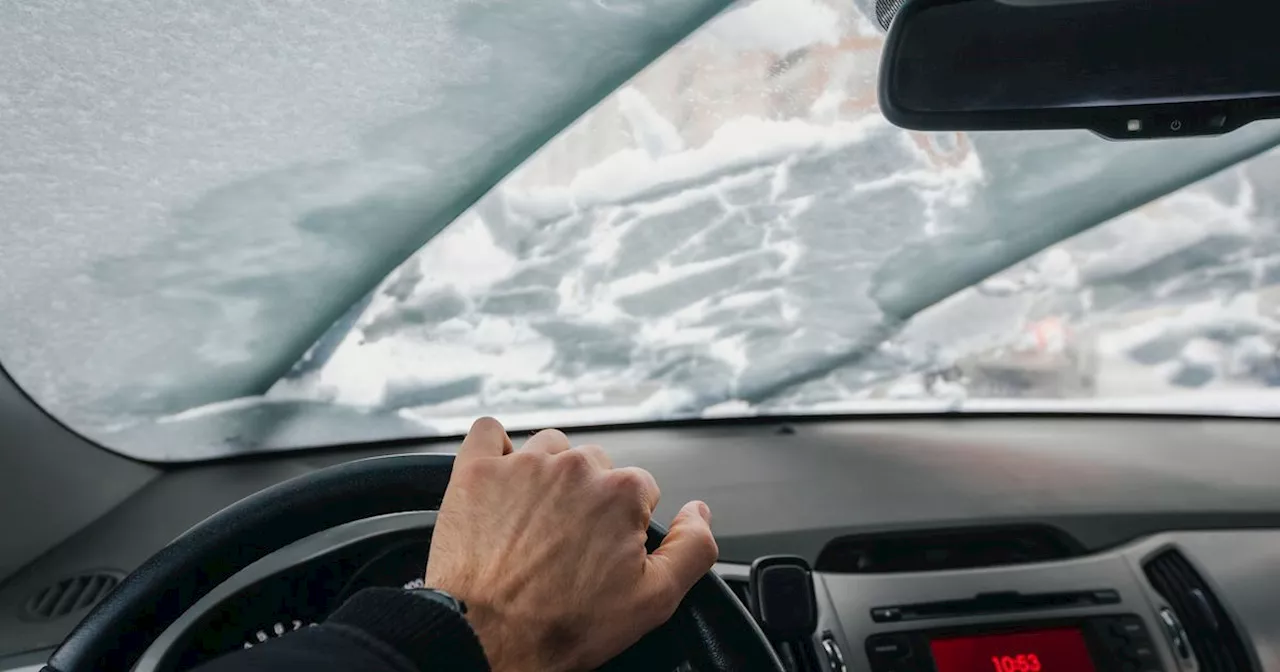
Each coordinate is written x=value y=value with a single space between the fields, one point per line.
x=430 y=635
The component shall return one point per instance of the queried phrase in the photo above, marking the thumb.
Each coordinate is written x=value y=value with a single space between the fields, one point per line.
x=685 y=555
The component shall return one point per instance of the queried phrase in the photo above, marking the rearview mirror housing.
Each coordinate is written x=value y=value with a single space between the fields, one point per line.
x=1125 y=69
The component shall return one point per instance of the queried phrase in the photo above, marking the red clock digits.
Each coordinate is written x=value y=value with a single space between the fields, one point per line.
x=1021 y=662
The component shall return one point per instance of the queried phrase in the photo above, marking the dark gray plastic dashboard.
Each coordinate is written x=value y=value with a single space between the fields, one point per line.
x=1238 y=565
x=776 y=489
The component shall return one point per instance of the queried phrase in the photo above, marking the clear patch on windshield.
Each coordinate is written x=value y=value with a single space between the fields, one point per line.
x=739 y=231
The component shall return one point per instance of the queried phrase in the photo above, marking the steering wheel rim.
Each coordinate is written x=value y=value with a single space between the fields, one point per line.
x=711 y=625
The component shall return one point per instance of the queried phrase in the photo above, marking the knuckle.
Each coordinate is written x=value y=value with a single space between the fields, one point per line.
x=574 y=462
x=525 y=461
x=595 y=452
x=705 y=546
x=486 y=423
x=625 y=482
x=713 y=548
x=552 y=436
x=628 y=492
x=650 y=484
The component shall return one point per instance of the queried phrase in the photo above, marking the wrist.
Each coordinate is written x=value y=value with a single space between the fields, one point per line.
x=518 y=642
x=486 y=622
x=440 y=597
x=427 y=633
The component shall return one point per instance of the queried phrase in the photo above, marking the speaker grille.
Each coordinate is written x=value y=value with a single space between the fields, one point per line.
x=68 y=596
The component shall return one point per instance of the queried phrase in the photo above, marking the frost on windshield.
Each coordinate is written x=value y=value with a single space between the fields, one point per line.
x=738 y=230
x=194 y=192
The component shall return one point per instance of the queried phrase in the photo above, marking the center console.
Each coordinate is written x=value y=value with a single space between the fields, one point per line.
x=1171 y=602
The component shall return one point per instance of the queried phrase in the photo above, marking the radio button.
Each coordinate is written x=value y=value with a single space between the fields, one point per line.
x=892 y=653
x=1129 y=627
x=1139 y=657
x=888 y=647
x=1141 y=652
x=1111 y=635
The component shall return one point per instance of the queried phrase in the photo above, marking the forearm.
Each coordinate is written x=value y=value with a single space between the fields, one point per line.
x=377 y=630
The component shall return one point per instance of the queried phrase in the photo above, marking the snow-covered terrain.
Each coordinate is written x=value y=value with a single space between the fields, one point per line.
x=710 y=241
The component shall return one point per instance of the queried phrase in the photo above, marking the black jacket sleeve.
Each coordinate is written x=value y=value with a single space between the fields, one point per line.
x=377 y=630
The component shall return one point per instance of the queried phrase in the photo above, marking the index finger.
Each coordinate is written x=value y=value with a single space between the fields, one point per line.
x=688 y=552
x=487 y=438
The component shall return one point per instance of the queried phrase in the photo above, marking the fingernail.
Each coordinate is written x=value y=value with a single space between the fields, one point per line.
x=704 y=511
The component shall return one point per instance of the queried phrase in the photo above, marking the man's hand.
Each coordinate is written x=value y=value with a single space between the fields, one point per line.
x=546 y=547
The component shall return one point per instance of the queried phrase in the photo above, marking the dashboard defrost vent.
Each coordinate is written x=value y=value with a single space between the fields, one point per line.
x=68 y=596
x=935 y=550
x=1213 y=638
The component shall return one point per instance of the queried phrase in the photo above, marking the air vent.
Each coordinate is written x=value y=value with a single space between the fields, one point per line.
x=1215 y=641
x=935 y=550
x=68 y=596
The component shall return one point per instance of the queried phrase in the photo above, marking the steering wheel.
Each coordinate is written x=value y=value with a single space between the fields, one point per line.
x=711 y=629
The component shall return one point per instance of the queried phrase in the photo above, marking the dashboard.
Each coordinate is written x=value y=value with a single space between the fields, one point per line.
x=1171 y=602
x=1017 y=544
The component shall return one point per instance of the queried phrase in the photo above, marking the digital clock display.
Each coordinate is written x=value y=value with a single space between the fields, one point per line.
x=1050 y=650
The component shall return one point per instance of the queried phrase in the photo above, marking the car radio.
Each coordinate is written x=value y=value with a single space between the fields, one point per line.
x=1095 y=644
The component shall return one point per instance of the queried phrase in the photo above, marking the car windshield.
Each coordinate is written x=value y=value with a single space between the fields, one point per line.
x=226 y=232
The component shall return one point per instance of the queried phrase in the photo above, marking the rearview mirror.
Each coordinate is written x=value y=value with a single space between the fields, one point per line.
x=1125 y=69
